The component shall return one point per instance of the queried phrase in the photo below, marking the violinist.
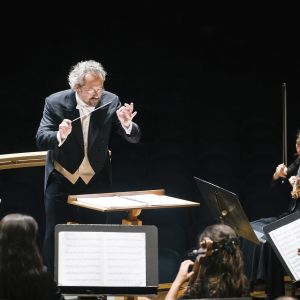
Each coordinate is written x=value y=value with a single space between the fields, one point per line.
x=218 y=270
x=265 y=264
x=290 y=173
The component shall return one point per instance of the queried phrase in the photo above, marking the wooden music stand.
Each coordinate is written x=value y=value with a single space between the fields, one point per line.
x=22 y=160
x=133 y=211
x=135 y=207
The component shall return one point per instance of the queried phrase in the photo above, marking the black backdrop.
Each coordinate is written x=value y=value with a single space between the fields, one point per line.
x=206 y=83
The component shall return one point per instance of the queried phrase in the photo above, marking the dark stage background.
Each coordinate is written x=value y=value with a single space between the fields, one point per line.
x=206 y=84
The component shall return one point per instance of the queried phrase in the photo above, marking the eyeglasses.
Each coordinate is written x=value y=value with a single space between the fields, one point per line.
x=92 y=91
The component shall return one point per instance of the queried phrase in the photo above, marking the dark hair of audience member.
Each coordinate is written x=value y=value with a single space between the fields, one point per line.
x=221 y=274
x=22 y=274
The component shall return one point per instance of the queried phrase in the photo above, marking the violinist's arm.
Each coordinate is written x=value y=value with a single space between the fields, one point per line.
x=280 y=172
x=183 y=275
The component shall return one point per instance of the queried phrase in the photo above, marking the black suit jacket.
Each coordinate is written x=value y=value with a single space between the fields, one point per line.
x=62 y=105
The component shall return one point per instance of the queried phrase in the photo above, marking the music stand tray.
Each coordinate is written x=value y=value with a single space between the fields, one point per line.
x=226 y=208
x=133 y=202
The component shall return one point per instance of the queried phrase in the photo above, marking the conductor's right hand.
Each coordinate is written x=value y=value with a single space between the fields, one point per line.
x=65 y=128
x=281 y=171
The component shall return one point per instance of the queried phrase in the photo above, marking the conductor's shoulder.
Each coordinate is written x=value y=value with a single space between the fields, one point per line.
x=110 y=96
x=60 y=96
x=112 y=99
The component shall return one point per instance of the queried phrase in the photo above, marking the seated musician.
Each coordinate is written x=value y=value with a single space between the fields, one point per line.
x=290 y=172
x=218 y=270
x=265 y=264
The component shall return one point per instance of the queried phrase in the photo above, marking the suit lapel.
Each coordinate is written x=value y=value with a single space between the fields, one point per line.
x=97 y=122
x=71 y=113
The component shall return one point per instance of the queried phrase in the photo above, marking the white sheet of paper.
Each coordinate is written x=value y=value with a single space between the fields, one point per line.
x=287 y=241
x=102 y=259
x=112 y=202
x=159 y=200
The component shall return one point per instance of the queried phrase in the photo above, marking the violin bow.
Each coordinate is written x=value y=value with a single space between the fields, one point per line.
x=284 y=125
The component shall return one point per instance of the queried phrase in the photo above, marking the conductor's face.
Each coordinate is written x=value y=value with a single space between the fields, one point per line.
x=90 y=92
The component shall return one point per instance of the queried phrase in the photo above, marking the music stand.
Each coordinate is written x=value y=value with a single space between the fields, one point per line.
x=100 y=259
x=284 y=237
x=226 y=208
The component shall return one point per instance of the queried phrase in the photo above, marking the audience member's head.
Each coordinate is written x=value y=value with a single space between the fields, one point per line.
x=221 y=271
x=18 y=244
x=22 y=274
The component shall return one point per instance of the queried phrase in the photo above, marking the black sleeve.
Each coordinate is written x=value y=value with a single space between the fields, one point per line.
x=277 y=182
x=291 y=170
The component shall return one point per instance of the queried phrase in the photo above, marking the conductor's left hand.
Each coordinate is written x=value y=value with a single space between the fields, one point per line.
x=125 y=114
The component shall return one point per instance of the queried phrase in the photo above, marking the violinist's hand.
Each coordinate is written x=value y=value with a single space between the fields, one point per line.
x=126 y=114
x=281 y=171
x=292 y=180
x=183 y=274
x=65 y=128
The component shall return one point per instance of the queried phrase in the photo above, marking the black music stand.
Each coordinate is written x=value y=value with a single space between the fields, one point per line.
x=284 y=237
x=96 y=259
x=226 y=208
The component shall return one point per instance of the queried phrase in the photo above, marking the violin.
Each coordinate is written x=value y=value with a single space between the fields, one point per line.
x=198 y=256
x=204 y=250
x=208 y=248
x=295 y=193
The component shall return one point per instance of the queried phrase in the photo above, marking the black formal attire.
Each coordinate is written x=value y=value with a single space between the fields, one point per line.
x=283 y=184
x=69 y=156
x=261 y=261
x=33 y=286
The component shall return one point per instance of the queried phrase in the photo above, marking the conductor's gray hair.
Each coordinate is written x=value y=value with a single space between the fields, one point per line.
x=78 y=72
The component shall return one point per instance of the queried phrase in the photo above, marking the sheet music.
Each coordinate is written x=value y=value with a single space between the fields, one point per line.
x=287 y=241
x=159 y=200
x=135 y=201
x=102 y=259
x=113 y=202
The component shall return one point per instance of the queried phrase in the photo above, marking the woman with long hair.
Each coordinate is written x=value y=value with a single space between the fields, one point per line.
x=218 y=271
x=22 y=274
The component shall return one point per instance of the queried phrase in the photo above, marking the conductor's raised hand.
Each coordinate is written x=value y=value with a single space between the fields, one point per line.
x=125 y=114
x=65 y=128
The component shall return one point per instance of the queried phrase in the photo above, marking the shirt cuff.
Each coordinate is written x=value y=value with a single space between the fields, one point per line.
x=128 y=130
x=60 y=141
